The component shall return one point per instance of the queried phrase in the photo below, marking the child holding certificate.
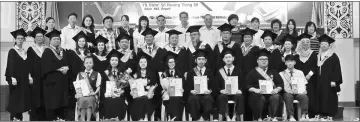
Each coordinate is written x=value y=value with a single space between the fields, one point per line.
x=198 y=88
x=295 y=88
x=229 y=86
x=264 y=86
x=172 y=88
x=143 y=90
x=114 y=102
x=87 y=103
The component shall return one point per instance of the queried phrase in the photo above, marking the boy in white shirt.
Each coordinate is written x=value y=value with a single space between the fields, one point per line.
x=295 y=88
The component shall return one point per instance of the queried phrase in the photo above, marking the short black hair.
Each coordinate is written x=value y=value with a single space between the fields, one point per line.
x=233 y=16
x=108 y=17
x=73 y=14
x=290 y=58
x=160 y=16
x=126 y=17
x=184 y=13
x=255 y=19
x=307 y=25
x=276 y=21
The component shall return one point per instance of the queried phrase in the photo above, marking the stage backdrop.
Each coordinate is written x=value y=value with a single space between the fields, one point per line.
x=265 y=11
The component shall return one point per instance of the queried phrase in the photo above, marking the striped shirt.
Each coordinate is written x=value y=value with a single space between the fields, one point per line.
x=111 y=36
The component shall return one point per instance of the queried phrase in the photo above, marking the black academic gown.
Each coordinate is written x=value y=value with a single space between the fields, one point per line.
x=37 y=100
x=275 y=60
x=112 y=107
x=210 y=59
x=92 y=37
x=20 y=95
x=183 y=58
x=143 y=106
x=310 y=65
x=100 y=65
x=129 y=32
x=223 y=99
x=199 y=105
x=56 y=84
x=234 y=47
x=175 y=105
x=326 y=96
x=252 y=80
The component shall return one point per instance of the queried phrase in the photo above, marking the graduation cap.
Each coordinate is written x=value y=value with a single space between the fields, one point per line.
x=114 y=53
x=248 y=31
x=290 y=58
x=144 y=55
x=173 y=31
x=123 y=36
x=20 y=31
x=326 y=38
x=263 y=52
x=269 y=33
x=148 y=31
x=54 y=33
x=99 y=39
x=304 y=35
x=36 y=31
x=79 y=35
x=169 y=55
x=225 y=27
x=288 y=37
x=194 y=28
x=200 y=53
x=227 y=51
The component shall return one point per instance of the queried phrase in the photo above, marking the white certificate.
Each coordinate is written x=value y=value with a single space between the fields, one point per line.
x=200 y=84
x=297 y=84
x=231 y=84
x=110 y=85
x=81 y=87
x=175 y=87
x=138 y=86
x=266 y=86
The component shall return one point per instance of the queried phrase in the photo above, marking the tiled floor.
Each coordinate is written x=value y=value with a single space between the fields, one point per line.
x=350 y=113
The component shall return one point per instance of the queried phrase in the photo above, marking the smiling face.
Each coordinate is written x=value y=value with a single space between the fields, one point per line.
x=263 y=61
x=81 y=42
x=173 y=39
x=324 y=46
x=114 y=61
x=101 y=46
x=88 y=63
x=149 y=39
x=87 y=22
x=143 y=23
x=51 y=24
x=248 y=39
x=55 y=41
x=290 y=64
x=143 y=63
x=268 y=41
x=226 y=35
x=288 y=45
x=195 y=36
x=276 y=26
x=161 y=21
x=171 y=63
x=39 y=38
x=20 y=39
x=108 y=23
x=208 y=20
x=200 y=61
x=124 y=22
x=124 y=43
x=72 y=20
x=228 y=59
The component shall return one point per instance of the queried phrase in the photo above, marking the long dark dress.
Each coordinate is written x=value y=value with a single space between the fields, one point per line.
x=234 y=47
x=306 y=66
x=175 y=105
x=155 y=65
x=56 y=84
x=143 y=106
x=210 y=59
x=249 y=63
x=20 y=95
x=222 y=99
x=275 y=60
x=37 y=101
x=199 y=105
x=326 y=96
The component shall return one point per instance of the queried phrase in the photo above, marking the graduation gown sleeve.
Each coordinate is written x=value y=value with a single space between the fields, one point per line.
x=275 y=60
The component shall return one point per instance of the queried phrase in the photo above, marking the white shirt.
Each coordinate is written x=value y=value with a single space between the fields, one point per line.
x=138 y=39
x=161 y=38
x=247 y=47
x=296 y=73
x=202 y=70
x=40 y=48
x=287 y=53
x=67 y=33
x=98 y=80
x=227 y=69
x=210 y=36
x=172 y=72
x=257 y=39
x=184 y=38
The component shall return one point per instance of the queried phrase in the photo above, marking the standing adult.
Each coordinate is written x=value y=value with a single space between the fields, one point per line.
x=161 y=38
x=255 y=25
x=125 y=28
x=108 y=32
x=233 y=20
x=138 y=39
x=209 y=33
x=50 y=25
x=184 y=38
x=310 y=28
x=69 y=31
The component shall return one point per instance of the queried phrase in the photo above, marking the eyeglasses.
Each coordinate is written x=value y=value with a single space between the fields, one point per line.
x=20 y=38
x=263 y=59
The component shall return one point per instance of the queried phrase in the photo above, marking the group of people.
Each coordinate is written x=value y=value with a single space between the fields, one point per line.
x=300 y=67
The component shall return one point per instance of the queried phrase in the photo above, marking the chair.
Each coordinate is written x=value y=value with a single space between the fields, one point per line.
x=285 y=116
x=232 y=102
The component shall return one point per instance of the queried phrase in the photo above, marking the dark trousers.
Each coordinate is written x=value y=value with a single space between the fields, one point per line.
x=223 y=103
x=54 y=114
x=303 y=101
x=18 y=116
x=259 y=101
x=200 y=105
x=37 y=114
x=174 y=107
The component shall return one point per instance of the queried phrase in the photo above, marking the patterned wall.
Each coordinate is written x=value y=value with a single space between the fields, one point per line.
x=338 y=19
x=29 y=14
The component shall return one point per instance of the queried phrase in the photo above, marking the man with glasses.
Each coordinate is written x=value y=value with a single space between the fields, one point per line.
x=261 y=95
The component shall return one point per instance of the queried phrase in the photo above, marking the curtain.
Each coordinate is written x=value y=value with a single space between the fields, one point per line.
x=52 y=11
x=317 y=15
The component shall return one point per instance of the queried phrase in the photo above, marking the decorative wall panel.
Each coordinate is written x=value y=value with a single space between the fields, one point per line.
x=339 y=19
x=29 y=14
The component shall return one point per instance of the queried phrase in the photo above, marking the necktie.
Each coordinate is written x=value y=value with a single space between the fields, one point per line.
x=228 y=71
x=150 y=49
x=114 y=73
x=88 y=74
x=201 y=72
x=291 y=73
x=174 y=48
x=172 y=73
